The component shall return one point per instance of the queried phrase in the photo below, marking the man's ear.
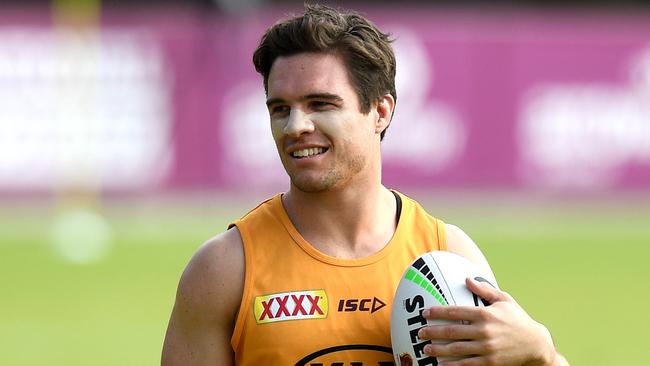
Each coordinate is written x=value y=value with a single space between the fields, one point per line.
x=384 y=107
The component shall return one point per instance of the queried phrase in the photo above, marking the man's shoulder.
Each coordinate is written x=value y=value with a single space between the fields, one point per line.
x=223 y=243
x=207 y=301
x=219 y=255
x=215 y=274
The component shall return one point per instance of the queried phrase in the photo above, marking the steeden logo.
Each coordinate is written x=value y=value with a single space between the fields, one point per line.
x=291 y=306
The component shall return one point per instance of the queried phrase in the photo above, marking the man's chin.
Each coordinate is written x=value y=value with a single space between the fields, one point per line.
x=312 y=185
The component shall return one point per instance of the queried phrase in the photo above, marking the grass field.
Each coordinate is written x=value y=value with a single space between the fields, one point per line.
x=579 y=266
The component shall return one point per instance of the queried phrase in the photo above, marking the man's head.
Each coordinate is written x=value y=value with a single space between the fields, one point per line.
x=364 y=49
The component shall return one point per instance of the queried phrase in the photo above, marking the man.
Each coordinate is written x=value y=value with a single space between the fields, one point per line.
x=307 y=277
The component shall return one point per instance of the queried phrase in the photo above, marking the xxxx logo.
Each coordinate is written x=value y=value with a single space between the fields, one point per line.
x=290 y=306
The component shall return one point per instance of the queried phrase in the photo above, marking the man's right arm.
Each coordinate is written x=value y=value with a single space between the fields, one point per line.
x=207 y=301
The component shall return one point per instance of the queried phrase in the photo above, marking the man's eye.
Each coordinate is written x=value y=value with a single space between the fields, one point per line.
x=321 y=105
x=280 y=109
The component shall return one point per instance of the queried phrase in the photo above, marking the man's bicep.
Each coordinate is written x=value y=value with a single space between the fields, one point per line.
x=460 y=243
x=207 y=301
x=189 y=343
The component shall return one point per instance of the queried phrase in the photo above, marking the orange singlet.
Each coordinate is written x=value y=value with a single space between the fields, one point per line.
x=303 y=307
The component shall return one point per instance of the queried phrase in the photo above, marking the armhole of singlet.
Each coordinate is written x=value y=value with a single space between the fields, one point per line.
x=442 y=235
x=245 y=303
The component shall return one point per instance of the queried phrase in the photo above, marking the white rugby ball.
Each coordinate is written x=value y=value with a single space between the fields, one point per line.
x=433 y=279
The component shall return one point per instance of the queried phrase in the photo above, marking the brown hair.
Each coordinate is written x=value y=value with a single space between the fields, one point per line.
x=365 y=50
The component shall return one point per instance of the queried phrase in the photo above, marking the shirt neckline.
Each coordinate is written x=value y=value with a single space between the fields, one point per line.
x=325 y=258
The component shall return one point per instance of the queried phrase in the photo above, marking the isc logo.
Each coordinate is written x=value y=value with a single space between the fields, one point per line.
x=290 y=306
x=370 y=305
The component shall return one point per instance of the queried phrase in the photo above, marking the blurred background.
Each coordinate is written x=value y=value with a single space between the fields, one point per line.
x=131 y=132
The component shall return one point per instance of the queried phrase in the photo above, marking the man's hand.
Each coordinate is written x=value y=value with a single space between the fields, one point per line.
x=500 y=334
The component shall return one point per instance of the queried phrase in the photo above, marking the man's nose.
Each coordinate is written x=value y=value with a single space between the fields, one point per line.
x=298 y=123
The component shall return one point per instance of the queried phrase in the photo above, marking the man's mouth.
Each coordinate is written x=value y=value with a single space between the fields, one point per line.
x=305 y=153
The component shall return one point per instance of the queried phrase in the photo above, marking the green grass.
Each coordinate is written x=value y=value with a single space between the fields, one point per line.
x=578 y=267
x=113 y=312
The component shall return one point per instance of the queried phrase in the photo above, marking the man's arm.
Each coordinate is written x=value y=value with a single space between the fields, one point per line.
x=500 y=334
x=207 y=301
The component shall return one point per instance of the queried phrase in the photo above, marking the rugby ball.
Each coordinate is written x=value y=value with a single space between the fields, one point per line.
x=433 y=279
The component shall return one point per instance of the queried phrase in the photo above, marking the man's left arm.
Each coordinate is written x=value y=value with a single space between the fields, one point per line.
x=500 y=334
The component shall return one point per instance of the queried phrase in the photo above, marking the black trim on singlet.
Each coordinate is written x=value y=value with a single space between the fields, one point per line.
x=398 y=201
x=346 y=347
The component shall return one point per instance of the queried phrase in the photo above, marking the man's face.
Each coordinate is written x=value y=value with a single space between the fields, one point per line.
x=323 y=139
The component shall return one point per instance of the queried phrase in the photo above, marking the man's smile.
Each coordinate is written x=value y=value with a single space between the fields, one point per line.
x=305 y=153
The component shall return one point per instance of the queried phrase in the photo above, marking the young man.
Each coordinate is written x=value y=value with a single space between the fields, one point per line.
x=308 y=276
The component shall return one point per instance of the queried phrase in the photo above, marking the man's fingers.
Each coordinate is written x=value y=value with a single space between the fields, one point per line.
x=468 y=313
x=451 y=332
x=486 y=291
x=453 y=349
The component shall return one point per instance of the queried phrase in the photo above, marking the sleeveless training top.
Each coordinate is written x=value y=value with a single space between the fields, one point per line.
x=303 y=307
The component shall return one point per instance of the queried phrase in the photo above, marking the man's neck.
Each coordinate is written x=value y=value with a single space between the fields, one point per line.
x=348 y=223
